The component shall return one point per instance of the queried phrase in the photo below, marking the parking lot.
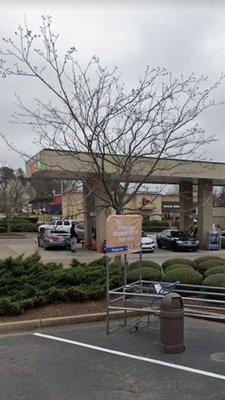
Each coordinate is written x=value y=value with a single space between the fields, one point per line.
x=82 y=363
x=28 y=245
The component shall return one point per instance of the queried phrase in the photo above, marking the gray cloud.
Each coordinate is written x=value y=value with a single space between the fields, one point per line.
x=187 y=38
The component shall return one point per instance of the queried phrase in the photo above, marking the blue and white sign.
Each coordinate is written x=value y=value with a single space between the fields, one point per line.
x=214 y=241
x=116 y=249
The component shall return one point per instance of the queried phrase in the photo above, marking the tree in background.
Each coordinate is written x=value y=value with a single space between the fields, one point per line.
x=90 y=110
x=13 y=193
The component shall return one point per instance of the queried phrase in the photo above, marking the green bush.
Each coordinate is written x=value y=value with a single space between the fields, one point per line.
x=153 y=228
x=145 y=264
x=99 y=261
x=215 y=280
x=204 y=266
x=8 y=307
x=183 y=275
x=19 y=225
x=202 y=259
x=150 y=274
x=215 y=270
x=176 y=261
x=154 y=225
x=178 y=266
x=76 y=263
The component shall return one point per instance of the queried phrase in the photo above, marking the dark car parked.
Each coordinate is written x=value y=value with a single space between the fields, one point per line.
x=176 y=240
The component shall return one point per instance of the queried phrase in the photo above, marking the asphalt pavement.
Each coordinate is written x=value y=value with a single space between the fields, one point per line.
x=28 y=245
x=57 y=366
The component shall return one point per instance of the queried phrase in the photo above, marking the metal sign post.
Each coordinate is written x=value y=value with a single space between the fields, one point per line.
x=123 y=236
x=107 y=294
x=125 y=286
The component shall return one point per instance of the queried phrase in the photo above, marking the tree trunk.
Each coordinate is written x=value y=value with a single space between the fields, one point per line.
x=8 y=226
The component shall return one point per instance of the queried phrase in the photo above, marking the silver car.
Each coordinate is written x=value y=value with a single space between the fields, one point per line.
x=48 y=238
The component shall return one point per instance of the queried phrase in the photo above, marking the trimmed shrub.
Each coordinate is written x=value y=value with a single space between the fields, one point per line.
x=153 y=228
x=204 y=266
x=215 y=270
x=150 y=274
x=32 y=303
x=183 y=275
x=145 y=264
x=19 y=225
x=100 y=261
x=177 y=261
x=202 y=259
x=178 y=266
x=8 y=307
x=215 y=280
x=76 y=263
x=154 y=225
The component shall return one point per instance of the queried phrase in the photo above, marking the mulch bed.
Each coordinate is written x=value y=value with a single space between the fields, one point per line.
x=59 y=310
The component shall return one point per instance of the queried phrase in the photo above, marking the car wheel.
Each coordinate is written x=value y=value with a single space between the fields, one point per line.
x=38 y=242
x=159 y=245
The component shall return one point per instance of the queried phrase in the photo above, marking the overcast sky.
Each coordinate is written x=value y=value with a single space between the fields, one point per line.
x=130 y=34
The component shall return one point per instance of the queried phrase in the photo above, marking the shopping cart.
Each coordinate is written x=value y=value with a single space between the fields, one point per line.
x=147 y=299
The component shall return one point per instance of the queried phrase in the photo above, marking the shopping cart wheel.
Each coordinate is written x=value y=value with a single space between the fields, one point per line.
x=133 y=328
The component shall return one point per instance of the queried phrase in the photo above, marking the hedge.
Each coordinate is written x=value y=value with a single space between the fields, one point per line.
x=154 y=225
x=202 y=259
x=204 y=266
x=155 y=222
x=27 y=283
x=150 y=274
x=178 y=266
x=99 y=261
x=153 y=228
x=176 y=261
x=215 y=280
x=145 y=264
x=18 y=225
x=215 y=270
x=184 y=275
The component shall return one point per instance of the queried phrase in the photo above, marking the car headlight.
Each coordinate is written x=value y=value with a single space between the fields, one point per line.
x=179 y=242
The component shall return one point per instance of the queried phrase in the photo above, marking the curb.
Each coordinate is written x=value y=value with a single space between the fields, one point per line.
x=30 y=325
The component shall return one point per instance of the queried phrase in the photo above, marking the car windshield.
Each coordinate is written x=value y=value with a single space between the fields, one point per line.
x=67 y=223
x=180 y=235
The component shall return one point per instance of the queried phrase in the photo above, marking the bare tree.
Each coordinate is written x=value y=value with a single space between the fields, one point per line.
x=13 y=193
x=90 y=110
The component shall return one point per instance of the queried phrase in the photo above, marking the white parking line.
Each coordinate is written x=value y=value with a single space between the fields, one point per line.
x=132 y=356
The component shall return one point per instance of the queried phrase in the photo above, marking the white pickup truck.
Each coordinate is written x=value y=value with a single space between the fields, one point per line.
x=63 y=225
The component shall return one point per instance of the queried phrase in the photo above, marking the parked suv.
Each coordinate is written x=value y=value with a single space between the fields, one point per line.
x=64 y=225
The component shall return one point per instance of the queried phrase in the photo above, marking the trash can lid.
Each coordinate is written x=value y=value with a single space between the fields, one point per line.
x=171 y=301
